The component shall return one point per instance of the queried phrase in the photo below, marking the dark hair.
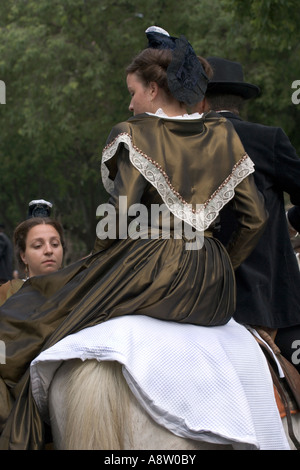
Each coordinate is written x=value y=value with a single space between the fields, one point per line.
x=21 y=232
x=217 y=102
x=151 y=65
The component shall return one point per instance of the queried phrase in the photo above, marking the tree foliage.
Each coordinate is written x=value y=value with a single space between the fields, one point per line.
x=63 y=65
x=275 y=37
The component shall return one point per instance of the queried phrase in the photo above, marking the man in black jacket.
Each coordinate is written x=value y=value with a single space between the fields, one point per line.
x=268 y=282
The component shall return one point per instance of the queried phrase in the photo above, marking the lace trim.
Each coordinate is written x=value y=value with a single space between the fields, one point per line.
x=204 y=214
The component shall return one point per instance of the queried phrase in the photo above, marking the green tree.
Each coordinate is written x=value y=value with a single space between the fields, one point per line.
x=273 y=26
x=63 y=64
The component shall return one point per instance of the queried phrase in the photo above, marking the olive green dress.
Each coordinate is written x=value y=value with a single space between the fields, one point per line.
x=189 y=168
x=9 y=288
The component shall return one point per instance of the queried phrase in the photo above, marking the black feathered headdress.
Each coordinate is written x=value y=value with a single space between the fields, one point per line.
x=187 y=79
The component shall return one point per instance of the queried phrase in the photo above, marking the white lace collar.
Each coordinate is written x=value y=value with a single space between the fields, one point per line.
x=160 y=113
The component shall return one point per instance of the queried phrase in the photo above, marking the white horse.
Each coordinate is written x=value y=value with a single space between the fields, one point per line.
x=108 y=416
x=90 y=405
x=92 y=408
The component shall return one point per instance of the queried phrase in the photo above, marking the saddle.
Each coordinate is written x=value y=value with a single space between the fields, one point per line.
x=287 y=388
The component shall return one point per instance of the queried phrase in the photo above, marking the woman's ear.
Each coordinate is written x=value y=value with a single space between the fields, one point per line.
x=153 y=89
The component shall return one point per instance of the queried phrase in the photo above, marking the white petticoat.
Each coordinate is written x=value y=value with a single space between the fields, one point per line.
x=206 y=383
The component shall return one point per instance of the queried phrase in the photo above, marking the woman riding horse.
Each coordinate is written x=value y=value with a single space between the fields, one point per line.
x=189 y=166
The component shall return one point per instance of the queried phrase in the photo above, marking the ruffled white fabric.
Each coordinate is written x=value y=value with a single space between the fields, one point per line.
x=206 y=383
x=160 y=113
x=157 y=29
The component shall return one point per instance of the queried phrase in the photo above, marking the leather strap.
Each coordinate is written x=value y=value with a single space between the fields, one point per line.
x=294 y=380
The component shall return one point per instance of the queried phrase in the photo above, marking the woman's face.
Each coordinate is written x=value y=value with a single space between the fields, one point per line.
x=141 y=95
x=44 y=251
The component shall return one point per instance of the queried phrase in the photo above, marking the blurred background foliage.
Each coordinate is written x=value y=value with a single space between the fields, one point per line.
x=63 y=65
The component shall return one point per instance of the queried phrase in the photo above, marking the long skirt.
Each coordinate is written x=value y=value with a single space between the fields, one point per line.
x=159 y=278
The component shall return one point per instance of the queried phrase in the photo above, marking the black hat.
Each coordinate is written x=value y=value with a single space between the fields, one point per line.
x=187 y=79
x=228 y=78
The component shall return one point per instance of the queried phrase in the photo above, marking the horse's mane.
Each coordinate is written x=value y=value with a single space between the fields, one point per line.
x=89 y=402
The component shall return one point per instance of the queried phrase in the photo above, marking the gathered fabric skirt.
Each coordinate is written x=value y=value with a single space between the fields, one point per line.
x=159 y=278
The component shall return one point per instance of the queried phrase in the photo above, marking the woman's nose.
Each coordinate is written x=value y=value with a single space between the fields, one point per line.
x=48 y=248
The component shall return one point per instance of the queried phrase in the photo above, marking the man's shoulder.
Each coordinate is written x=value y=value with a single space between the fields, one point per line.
x=243 y=123
x=262 y=132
